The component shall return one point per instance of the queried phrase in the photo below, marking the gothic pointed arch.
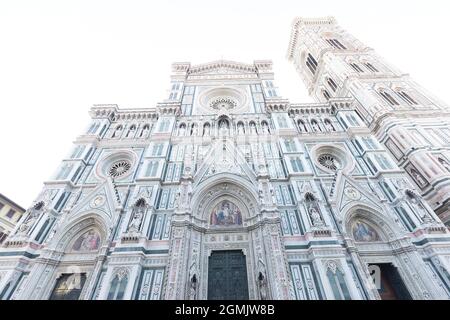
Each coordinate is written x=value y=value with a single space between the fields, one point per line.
x=88 y=227
x=380 y=227
x=232 y=192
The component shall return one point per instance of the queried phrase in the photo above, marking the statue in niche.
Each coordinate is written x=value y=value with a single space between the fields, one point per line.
x=273 y=196
x=182 y=130
x=253 y=128
x=418 y=206
x=33 y=214
x=315 y=126
x=417 y=177
x=194 y=130
x=177 y=199
x=118 y=132
x=138 y=216
x=315 y=217
x=261 y=194
x=262 y=285
x=193 y=288
x=223 y=127
x=329 y=126
x=241 y=128
x=131 y=131
x=206 y=130
x=145 y=131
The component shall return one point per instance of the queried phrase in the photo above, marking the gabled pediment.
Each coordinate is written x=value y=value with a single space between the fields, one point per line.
x=224 y=157
x=104 y=198
x=348 y=191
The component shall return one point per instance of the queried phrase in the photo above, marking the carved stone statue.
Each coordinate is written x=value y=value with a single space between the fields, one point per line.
x=261 y=194
x=315 y=126
x=329 y=126
x=206 y=130
x=252 y=128
x=33 y=214
x=240 y=128
x=417 y=177
x=262 y=285
x=136 y=221
x=177 y=199
x=144 y=131
x=315 y=217
x=193 y=288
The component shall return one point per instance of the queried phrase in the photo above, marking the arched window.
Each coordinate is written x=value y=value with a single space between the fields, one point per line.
x=131 y=131
x=302 y=126
x=265 y=127
x=182 y=129
x=311 y=63
x=388 y=98
x=253 y=129
x=145 y=130
x=332 y=84
x=315 y=126
x=118 y=286
x=118 y=131
x=406 y=97
x=194 y=129
x=206 y=129
x=371 y=67
x=335 y=43
x=240 y=128
x=356 y=67
x=329 y=125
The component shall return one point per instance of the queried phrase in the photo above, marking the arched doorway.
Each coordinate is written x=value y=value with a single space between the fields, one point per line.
x=234 y=245
x=372 y=237
x=80 y=244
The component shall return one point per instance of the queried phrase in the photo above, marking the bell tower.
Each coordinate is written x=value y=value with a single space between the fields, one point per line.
x=411 y=123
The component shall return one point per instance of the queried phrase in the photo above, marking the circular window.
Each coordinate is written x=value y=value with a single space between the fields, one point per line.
x=223 y=103
x=332 y=158
x=119 y=168
x=329 y=161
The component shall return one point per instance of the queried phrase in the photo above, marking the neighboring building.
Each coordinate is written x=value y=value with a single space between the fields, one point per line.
x=10 y=214
x=228 y=191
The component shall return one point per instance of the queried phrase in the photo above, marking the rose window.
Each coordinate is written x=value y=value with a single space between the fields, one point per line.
x=223 y=103
x=329 y=161
x=119 y=168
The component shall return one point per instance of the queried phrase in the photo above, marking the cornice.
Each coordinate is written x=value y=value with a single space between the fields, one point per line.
x=295 y=28
x=330 y=107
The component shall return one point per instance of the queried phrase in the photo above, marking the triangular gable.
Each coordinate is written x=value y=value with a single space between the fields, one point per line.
x=104 y=198
x=224 y=157
x=347 y=191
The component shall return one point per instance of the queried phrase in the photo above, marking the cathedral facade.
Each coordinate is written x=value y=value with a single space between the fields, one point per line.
x=226 y=190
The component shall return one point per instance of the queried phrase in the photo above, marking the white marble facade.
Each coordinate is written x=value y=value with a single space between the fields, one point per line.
x=313 y=195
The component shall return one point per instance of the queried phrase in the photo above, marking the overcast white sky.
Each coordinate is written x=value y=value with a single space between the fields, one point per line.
x=57 y=58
